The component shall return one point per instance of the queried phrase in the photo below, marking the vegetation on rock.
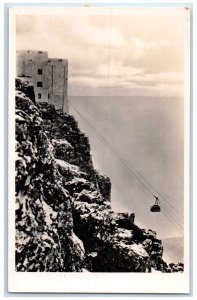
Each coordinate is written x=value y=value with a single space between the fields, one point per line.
x=64 y=219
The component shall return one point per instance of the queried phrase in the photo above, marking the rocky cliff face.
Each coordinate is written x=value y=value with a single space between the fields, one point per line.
x=64 y=220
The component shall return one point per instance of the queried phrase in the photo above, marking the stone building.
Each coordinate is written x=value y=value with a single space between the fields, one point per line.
x=49 y=76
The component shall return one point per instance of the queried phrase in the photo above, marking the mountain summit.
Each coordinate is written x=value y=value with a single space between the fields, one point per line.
x=64 y=219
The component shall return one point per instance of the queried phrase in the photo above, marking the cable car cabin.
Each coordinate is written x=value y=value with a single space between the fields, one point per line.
x=156 y=207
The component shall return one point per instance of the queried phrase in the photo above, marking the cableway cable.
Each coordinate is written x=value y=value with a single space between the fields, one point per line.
x=141 y=181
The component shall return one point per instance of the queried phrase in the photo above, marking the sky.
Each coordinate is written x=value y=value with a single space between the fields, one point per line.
x=135 y=52
x=113 y=51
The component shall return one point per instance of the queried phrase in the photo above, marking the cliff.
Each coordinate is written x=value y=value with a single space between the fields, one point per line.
x=64 y=219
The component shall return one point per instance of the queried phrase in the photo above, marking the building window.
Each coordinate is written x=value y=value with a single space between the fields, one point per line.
x=39 y=96
x=59 y=59
x=39 y=84
x=49 y=96
x=40 y=52
x=39 y=71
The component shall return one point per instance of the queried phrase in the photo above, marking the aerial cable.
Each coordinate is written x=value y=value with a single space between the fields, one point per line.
x=172 y=221
x=148 y=183
x=146 y=191
x=172 y=213
x=115 y=154
x=108 y=74
x=172 y=217
x=179 y=223
x=153 y=188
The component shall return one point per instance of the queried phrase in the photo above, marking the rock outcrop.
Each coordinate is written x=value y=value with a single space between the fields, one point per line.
x=64 y=219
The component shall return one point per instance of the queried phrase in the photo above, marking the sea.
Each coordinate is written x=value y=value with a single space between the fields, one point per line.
x=139 y=143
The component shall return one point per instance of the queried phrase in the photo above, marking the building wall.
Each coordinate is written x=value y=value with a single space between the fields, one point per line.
x=59 y=78
x=52 y=73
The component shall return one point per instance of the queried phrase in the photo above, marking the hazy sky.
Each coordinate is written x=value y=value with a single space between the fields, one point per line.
x=120 y=52
x=125 y=52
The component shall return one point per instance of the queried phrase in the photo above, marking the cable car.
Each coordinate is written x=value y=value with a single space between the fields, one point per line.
x=156 y=207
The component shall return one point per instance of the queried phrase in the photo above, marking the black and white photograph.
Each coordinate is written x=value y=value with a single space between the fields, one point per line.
x=99 y=148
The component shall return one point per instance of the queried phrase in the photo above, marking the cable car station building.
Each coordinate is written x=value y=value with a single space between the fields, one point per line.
x=49 y=76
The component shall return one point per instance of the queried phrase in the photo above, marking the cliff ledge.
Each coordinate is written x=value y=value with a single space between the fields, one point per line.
x=64 y=219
